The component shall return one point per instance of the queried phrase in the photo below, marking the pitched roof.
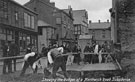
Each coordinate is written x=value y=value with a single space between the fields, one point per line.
x=13 y=1
x=78 y=16
x=102 y=25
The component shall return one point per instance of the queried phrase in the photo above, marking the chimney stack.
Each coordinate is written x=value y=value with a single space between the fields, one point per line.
x=107 y=21
x=53 y=4
x=98 y=21
x=89 y=21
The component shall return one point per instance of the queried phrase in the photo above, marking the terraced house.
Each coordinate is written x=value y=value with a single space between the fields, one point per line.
x=17 y=23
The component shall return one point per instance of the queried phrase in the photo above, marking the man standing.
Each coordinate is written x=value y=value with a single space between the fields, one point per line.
x=7 y=63
x=87 y=58
x=13 y=51
x=56 y=59
x=44 y=50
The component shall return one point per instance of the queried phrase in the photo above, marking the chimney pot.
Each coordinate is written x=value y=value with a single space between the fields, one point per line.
x=99 y=21
x=89 y=21
x=69 y=6
x=53 y=4
x=107 y=21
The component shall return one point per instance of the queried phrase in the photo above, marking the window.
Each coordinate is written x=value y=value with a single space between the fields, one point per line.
x=29 y=21
x=32 y=22
x=58 y=20
x=3 y=30
x=75 y=28
x=28 y=39
x=16 y=15
x=8 y=32
x=103 y=33
x=25 y=20
x=4 y=8
x=93 y=33
x=40 y=31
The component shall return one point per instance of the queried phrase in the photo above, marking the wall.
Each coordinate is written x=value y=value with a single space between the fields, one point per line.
x=126 y=24
x=98 y=35
x=42 y=39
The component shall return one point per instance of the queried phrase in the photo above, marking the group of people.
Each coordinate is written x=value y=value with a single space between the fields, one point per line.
x=10 y=49
x=97 y=50
x=54 y=54
x=55 y=59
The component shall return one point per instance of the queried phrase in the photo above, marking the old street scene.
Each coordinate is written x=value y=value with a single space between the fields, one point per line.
x=67 y=41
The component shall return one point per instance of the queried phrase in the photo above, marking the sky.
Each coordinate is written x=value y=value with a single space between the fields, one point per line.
x=97 y=9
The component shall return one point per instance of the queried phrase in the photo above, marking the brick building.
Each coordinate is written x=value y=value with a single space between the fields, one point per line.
x=101 y=31
x=60 y=21
x=80 y=22
x=17 y=23
x=46 y=21
x=45 y=34
x=64 y=22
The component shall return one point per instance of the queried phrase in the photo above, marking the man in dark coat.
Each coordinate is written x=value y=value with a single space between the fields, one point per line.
x=44 y=50
x=75 y=51
x=13 y=51
x=87 y=57
x=28 y=50
x=7 y=63
x=78 y=58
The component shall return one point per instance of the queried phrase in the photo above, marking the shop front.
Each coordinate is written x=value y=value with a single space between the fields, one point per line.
x=21 y=37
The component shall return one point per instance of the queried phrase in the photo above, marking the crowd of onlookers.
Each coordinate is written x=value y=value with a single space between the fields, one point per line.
x=11 y=49
x=97 y=49
x=77 y=50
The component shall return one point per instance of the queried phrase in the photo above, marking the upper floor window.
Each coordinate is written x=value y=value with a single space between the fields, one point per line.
x=16 y=15
x=4 y=5
x=103 y=33
x=25 y=20
x=93 y=32
x=58 y=20
x=29 y=21
x=4 y=9
x=32 y=22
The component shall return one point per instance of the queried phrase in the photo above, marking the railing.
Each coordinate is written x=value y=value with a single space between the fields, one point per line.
x=13 y=57
x=21 y=57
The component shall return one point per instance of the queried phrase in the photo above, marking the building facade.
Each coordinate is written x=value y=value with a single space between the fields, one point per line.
x=64 y=22
x=80 y=22
x=101 y=31
x=59 y=20
x=46 y=21
x=45 y=34
x=17 y=23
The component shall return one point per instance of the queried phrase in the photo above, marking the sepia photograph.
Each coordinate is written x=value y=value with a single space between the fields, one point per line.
x=67 y=40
